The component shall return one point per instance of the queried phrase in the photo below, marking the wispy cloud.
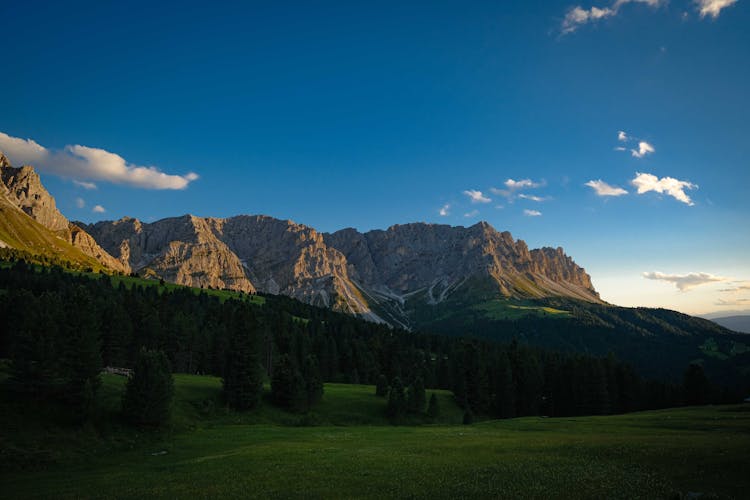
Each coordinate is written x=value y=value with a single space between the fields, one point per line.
x=532 y=197
x=644 y=148
x=578 y=16
x=83 y=163
x=476 y=196
x=471 y=214
x=732 y=302
x=740 y=286
x=512 y=187
x=521 y=184
x=601 y=188
x=80 y=202
x=98 y=209
x=668 y=185
x=622 y=136
x=445 y=210
x=84 y=184
x=685 y=282
x=532 y=213
x=712 y=7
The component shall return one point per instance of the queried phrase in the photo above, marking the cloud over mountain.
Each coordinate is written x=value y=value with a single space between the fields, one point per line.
x=85 y=164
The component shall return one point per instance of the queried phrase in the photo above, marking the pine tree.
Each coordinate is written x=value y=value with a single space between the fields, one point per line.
x=396 y=400
x=468 y=417
x=381 y=388
x=696 y=385
x=504 y=389
x=416 y=396
x=433 y=409
x=288 y=388
x=148 y=393
x=243 y=380
x=313 y=381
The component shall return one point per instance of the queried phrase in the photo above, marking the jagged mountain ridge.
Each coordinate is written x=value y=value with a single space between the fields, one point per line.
x=370 y=274
x=32 y=222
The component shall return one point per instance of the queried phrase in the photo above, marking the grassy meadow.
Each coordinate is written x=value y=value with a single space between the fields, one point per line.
x=346 y=448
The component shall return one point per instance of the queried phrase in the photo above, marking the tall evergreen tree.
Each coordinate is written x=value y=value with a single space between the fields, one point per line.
x=433 y=408
x=288 y=388
x=148 y=393
x=396 y=400
x=381 y=388
x=416 y=396
x=243 y=379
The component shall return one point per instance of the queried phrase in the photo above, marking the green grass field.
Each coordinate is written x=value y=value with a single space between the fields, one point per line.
x=346 y=449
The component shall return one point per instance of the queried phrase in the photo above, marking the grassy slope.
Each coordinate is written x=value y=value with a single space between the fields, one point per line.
x=20 y=231
x=223 y=454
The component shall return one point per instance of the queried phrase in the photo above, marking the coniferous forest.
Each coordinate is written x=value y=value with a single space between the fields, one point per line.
x=60 y=329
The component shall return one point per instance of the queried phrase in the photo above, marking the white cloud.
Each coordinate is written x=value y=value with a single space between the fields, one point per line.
x=668 y=185
x=84 y=184
x=622 y=136
x=476 y=196
x=514 y=185
x=445 y=210
x=532 y=213
x=712 y=7
x=98 y=209
x=473 y=213
x=685 y=282
x=601 y=188
x=644 y=148
x=80 y=202
x=83 y=163
x=532 y=197
x=578 y=16
x=620 y=148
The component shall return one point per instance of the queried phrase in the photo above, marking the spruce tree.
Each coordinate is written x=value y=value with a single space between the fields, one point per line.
x=243 y=379
x=288 y=388
x=313 y=381
x=148 y=393
x=416 y=397
x=433 y=409
x=468 y=417
x=381 y=388
x=396 y=400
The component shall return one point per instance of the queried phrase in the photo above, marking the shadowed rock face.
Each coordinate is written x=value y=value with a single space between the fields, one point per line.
x=23 y=188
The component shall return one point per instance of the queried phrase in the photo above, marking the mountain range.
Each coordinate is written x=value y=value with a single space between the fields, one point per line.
x=381 y=275
x=472 y=281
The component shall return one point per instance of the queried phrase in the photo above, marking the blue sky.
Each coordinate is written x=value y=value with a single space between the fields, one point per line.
x=366 y=115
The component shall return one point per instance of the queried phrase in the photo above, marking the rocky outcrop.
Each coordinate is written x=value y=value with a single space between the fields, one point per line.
x=437 y=260
x=23 y=189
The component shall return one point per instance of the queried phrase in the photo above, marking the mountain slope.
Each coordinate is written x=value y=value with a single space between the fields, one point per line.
x=737 y=323
x=31 y=222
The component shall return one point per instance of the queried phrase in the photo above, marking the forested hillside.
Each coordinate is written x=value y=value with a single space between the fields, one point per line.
x=59 y=329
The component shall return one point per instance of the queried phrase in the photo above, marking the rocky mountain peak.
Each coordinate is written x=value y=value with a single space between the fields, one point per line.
x=25 y=189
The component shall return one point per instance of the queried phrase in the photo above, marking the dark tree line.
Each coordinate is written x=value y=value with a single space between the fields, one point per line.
x=59 y=329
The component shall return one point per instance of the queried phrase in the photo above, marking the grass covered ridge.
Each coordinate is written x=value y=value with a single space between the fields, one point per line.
x=352 y=452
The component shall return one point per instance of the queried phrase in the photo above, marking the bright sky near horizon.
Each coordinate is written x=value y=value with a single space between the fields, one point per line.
x=617 y=129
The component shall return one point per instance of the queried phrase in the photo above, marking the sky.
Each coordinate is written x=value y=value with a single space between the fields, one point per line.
x=616 y=129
